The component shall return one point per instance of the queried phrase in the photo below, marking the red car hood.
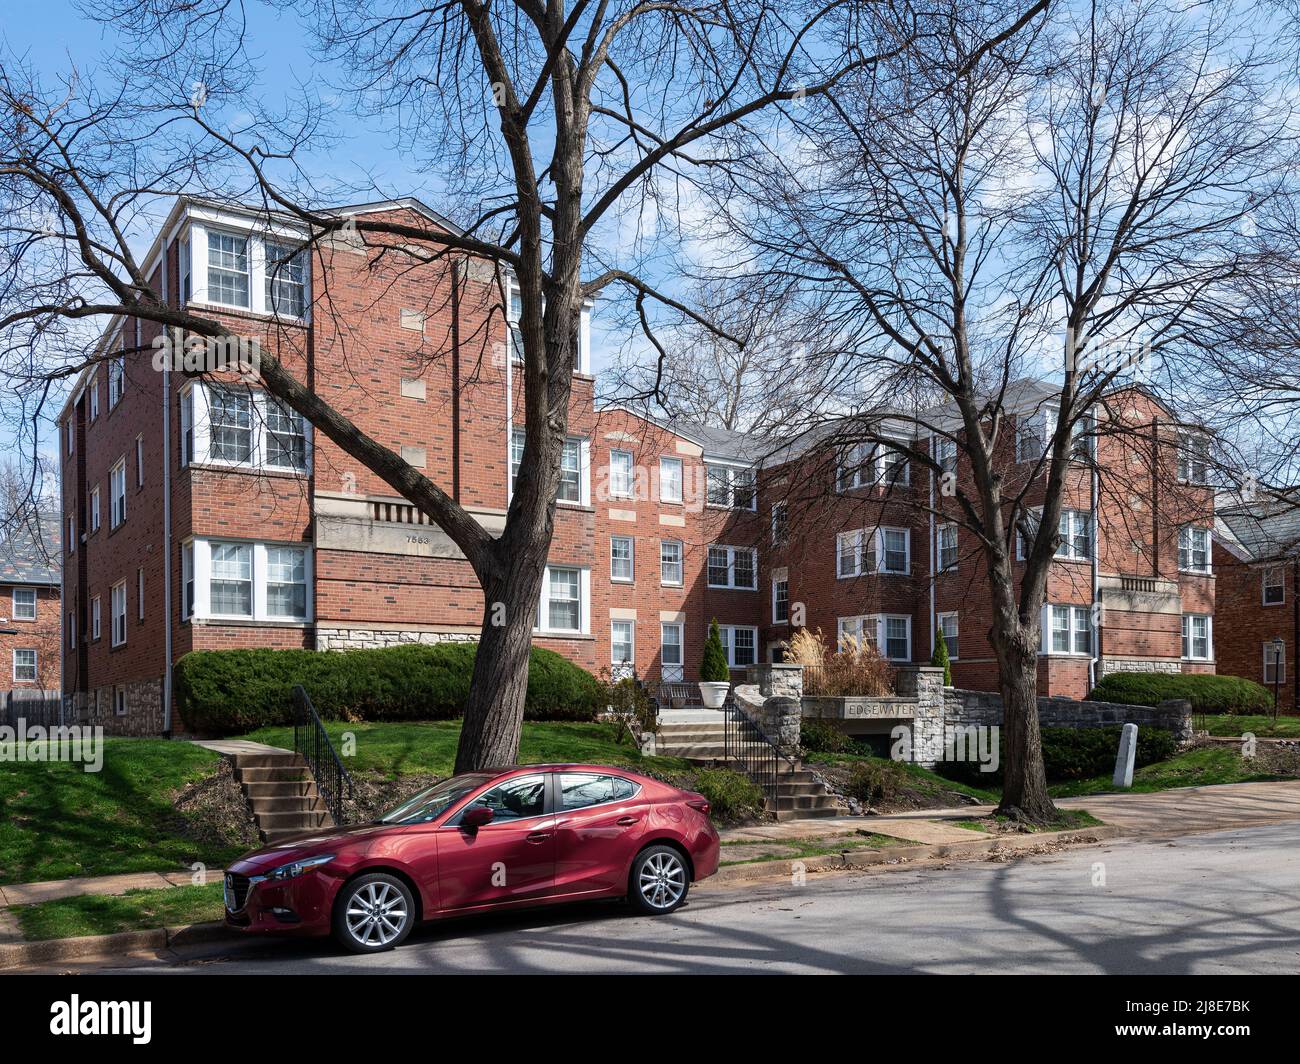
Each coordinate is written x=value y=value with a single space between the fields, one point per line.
x=308 y=844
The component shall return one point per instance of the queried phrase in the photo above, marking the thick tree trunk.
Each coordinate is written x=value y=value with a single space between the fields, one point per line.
x=1024 y=783
x=494 y=713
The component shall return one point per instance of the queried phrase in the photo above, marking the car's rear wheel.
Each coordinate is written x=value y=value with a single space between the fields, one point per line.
x=373 y=913
x=659 y=880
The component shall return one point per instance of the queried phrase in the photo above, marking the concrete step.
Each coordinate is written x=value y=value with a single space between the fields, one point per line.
x=280 y=788
x=804 y=801
x=691 y=729
x=247 y=761
x=691 y=751
x=262 y=807
x=301 y=820
x=287 y=774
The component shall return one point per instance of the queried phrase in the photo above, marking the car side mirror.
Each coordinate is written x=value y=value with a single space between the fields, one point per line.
x=475 y=817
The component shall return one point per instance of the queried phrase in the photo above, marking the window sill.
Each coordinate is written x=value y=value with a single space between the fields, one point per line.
x=247 y=622
x=729 y=587
x=549 y=633
x=247 y=312
x=248 y=470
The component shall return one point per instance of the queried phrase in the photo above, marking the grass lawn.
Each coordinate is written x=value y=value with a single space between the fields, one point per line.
x=136 y=910
x=1197 y=767
x=796 y=849
x=1224 y=724
x=404 y=748
x=59 y=821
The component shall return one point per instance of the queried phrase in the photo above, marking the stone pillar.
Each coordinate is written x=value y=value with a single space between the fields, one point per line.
x=777 y=680
x=781 y=721
x=1176 y=714
x=925 y=684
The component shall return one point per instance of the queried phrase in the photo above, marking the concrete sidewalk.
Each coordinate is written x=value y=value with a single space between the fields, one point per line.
x=31 y=893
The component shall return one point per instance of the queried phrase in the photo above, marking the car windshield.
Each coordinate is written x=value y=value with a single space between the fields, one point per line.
x=434 y=801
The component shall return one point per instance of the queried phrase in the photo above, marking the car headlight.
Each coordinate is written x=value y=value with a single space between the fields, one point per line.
x=297 y=868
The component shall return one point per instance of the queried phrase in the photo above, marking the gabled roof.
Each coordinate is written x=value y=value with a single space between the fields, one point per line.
x=1263 y=528
x=29 y=553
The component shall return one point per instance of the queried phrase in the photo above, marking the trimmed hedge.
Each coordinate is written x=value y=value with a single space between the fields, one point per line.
x=1072 y=754
x=226 y=692
x=1207 y=693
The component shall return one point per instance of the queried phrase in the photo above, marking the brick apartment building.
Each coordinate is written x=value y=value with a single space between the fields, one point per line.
x=204 y=515
x=29 y=603
x=1257 y=563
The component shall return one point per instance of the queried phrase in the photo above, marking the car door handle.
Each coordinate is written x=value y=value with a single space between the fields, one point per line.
x=626 y=821
x=538 y=836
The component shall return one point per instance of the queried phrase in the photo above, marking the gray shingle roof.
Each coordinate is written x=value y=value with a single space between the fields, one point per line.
x=29 y=552
x=1264 y=528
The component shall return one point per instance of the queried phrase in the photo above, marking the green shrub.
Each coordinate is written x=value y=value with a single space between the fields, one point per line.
x=713 y=665
x=872 y=782
x=731 y=796
x=224 y=692
x=940 y=658
x=819 y=736
x=1207 y=693
x=1072 y=754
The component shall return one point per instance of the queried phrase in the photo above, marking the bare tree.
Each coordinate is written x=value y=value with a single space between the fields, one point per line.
x=549 y=121
x=1067 y=204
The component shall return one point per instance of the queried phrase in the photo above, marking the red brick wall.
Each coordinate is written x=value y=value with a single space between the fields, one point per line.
x=1243 y=624
x=41 y=635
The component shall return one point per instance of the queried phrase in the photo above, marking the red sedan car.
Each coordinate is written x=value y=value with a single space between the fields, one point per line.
x=532 y=835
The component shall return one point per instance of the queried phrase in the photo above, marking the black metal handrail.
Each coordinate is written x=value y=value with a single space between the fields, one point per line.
x=312 y=742
x=745 y=744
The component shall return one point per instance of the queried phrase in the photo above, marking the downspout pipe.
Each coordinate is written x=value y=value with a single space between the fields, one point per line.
x=1094 y=487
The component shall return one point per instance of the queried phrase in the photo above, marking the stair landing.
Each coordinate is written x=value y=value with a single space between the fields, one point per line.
x=278 y=787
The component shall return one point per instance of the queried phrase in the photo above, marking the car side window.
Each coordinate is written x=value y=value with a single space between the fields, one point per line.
x=515 y=799
x=579 y=789
x=623 y=788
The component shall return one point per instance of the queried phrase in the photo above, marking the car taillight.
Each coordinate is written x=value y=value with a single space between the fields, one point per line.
x=699 y=803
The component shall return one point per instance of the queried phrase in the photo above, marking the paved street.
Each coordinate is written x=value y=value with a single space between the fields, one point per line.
x=1227 y=902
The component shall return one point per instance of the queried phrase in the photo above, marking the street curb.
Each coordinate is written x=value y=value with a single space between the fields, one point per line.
x=94 y=947
x=893 y=856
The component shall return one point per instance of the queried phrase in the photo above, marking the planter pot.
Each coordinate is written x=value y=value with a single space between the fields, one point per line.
x=714 y=693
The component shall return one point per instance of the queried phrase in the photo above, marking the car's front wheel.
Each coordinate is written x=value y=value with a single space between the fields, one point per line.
x=659 y=880
x=373 y=913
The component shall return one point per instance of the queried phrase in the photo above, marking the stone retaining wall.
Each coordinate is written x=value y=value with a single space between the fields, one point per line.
x=374 y=638
x=984 y=708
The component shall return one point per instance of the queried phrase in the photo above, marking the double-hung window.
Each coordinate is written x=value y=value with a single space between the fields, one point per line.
x=947 y=547
x=879 y=550
x=622 y=638
x=25 y=670
x=670 y=480
x=24 y=604
x=670 y=562
x=1274 y=586
x=117 y=493
x=890 y=634
x=947 y=624
x=1197 y=636
x=563 y=597
x=228 y=269
x=1069 y=629
x=116 y=380
x=621 y=560
x=740 y=643
x=780 y=524
x=671 y=651
x=733 y=567
x=1193 y=458
x=1194 y=549
x=117 y=614
x=95 y=617
x=781 y=601
x=620 y=474
x=230 y=424
x=570 y=489
x=945 y=454
x=230 y=592
x=731 y=487
x=857 y=466
x=1274 y=665
x=286 y=280
x=1076 y=535
x=94 y=508
x=238 y=425
x=286 y=437
x=895 y=550
x=286 y=582
x=264 y=582
x=895 y=467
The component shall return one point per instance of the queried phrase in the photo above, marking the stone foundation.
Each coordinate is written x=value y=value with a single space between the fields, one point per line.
x=141 y=716
x=983 y=708
x=1107 y=665
x=373 y=638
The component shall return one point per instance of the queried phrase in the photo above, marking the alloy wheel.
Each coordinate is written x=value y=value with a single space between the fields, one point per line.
x=376 y=914
x=662 y=881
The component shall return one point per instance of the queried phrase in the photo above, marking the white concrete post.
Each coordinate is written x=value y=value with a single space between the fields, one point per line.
x=1128 y=741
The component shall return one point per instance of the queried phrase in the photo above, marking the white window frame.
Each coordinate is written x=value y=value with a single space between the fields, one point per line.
x=196 y=431
x=117 y=614
x=543 y=626
x=139 y=461
x=1280 y=584
x=954 y=645
x=116 y=380
x=1193 y=458
x=514 y=339
x=777 y=584
x=117 y=493
x=622 y=482
x=874 y=627
x=780 y=525
x=1069 y=531
x=869 y=554
x=139 y=593
x=939 y=549
x=193 y=247
x=1268 y=664
x=16 y=613
x=676 y=481
x=584 y=472
x=944 y=452
x=1186 y=532
x=731 y=471
x=728 y=632
x=35 y=665
x=614 y=577
x=732 y=554
x=196 y=569
x=95 y=619
x=676 y=668
x=614 y=659
x=92 y=397
x=680 y=563
x=1188 y=646
x=1073 y=615
x=94 y=508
